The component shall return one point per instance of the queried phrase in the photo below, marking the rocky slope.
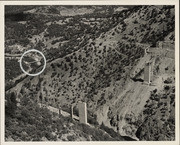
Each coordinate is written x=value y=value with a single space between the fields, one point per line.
x=28 y=121
x=103 y=65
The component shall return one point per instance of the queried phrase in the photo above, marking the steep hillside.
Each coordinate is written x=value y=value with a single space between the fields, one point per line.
x=99 y=57
x=29 y=122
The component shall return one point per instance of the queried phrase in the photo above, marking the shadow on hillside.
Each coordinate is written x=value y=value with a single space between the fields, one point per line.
x=137 y=79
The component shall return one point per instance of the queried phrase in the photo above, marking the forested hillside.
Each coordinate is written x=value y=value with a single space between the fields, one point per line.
x=95 y=54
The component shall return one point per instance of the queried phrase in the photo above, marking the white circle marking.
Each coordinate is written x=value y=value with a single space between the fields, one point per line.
x=32 y=50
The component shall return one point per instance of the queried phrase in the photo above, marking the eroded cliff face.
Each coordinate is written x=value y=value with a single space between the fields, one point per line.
x=126 y=112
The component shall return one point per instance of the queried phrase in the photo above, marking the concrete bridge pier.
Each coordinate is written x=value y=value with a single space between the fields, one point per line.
x=82 y=112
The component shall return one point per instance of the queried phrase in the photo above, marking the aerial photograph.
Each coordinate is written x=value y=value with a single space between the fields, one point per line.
x=89 y=73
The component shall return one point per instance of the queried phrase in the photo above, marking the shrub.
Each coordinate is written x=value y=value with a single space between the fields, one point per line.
x=71 y=138
x=166 y=87
x=168 y=81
